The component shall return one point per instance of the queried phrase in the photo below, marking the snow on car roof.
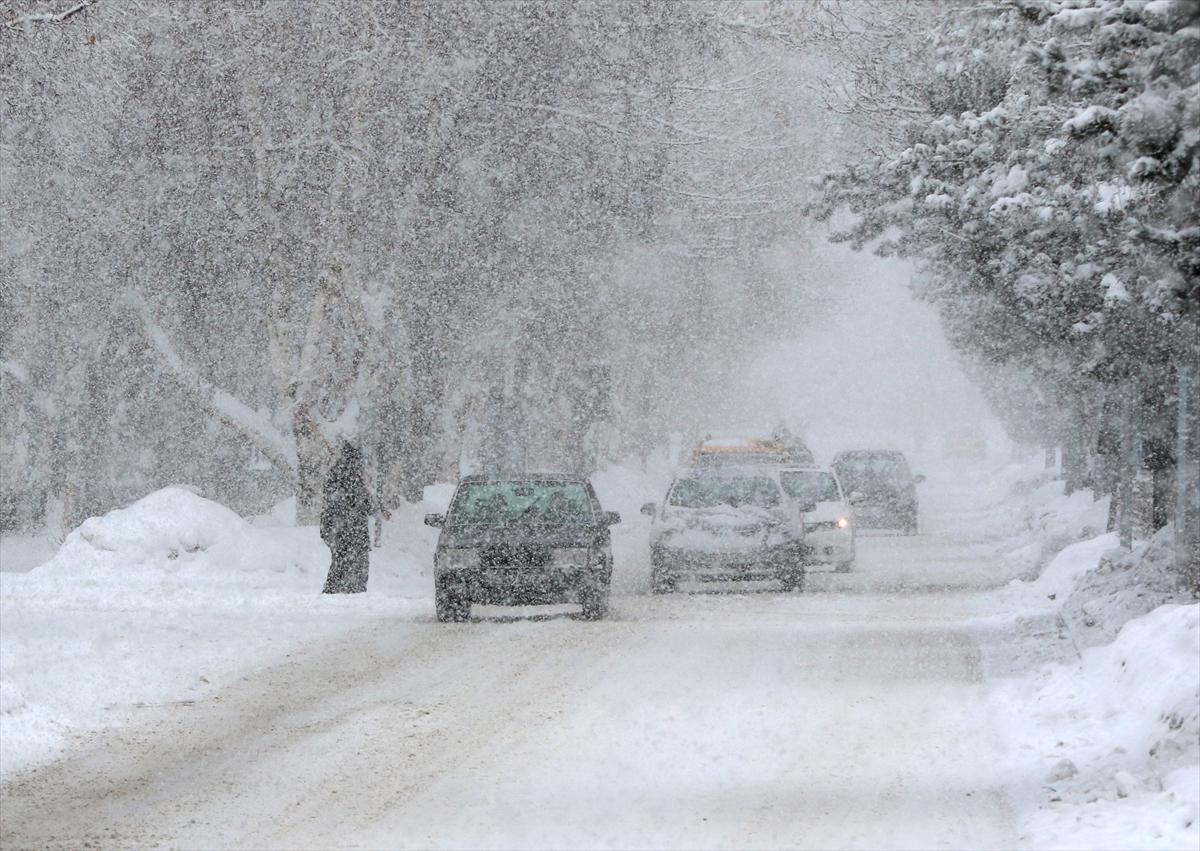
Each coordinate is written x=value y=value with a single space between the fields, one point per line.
x=727 y=443
x=741 y=444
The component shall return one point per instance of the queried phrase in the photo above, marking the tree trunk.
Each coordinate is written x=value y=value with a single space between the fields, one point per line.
x=1074 y=451
x=1129 y=462
x=1187 y=470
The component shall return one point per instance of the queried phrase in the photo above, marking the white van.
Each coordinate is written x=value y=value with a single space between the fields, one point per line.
x=828 y=520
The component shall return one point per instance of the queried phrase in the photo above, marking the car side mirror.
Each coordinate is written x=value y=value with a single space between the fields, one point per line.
x=611 y=518
x=649 y=509
x=437 y=521
x=806 y=507
x=856 y=498
x=918 y=479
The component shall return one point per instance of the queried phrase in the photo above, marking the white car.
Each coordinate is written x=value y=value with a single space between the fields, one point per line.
x=729 y=523
x=828 y=520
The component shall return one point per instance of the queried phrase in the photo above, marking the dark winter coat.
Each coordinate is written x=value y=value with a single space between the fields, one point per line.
x=347 y=506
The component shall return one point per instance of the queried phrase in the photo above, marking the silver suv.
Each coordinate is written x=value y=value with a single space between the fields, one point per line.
x=726 y=523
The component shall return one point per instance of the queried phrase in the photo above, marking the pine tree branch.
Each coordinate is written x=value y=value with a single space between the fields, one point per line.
x=49 y=17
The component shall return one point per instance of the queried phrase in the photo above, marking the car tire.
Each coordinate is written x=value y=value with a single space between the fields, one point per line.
x=449 y=606
x=793 y=579
x=594 y=601
x=661 y=582
x=661 y=579
x=663 y=586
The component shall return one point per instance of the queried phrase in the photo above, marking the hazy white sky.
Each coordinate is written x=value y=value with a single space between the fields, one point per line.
x=877 y=370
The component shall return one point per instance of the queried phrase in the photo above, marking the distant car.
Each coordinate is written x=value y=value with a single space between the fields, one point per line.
x=965 y=442
x=727 y=523
x=523 y=541
x=828 y=515
x=882 y=488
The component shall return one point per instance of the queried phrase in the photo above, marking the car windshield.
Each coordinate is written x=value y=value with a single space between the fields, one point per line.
x=810 y=485
x=712 y=491
x=503 y=503
x=869 y=471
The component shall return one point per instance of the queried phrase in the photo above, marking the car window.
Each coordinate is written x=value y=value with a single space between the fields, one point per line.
x=502 y=503
x=711 y=491
x=593 y=499
x=810 y=485
x=865 y=471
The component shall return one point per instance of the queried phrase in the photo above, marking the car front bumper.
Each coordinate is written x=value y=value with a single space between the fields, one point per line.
x=747 y=565
x=523 y=586
x=885 y=515
x=830 y=547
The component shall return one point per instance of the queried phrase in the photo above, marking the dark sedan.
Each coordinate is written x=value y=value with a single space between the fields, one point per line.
x=882 y=488
x=523 y=541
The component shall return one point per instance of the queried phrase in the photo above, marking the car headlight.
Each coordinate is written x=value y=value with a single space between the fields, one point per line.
x=458 y=558
x=569 y=557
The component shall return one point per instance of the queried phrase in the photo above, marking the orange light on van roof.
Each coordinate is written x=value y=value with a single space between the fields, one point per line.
x=741 y=446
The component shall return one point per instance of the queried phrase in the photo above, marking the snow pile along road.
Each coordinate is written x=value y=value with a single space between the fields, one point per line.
x=167 y=599
x=1104 y=743
x=1049 y=519
x=1124 y=585
x=1068 y=568
x=174 y=534
x=1118 y=739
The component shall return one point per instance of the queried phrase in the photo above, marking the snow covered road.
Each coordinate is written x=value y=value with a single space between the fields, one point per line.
x=850 y=716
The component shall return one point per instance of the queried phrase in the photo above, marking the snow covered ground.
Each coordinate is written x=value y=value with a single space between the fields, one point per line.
x=207 y=695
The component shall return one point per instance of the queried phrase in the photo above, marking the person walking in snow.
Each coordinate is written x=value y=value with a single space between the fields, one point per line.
x=344 y=519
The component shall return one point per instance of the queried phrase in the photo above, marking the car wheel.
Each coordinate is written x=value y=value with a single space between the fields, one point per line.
x=662 y=582
x=793 y=579
x=594 y=600
x=449 y=606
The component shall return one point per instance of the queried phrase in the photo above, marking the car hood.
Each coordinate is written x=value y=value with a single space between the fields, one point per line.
x=545 y=536
x=719 y=528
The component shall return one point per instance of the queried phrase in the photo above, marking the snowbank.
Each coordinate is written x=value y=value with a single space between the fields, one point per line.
x=174 y=532
x=1118 y=735
x=1106 y=744
x=1124 y=585
x=1069 y=567
x=174 y=596
x=1049 y=520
